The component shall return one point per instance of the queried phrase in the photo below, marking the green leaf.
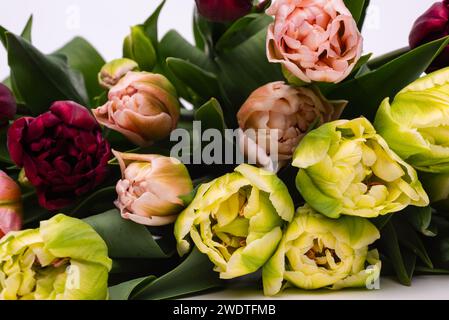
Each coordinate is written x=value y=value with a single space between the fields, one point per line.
x=357 y=8
x=407 y=237
x=150 y=25
x=243 y=29
x=124 y=238
x=366 y=92
x=211 y=116
x=82 y=56
x=361 y=21
x=42 y=80
x=203 y=83
x=4 y=153
x=193 y=275
x=26 y=32
x=138 y=47
x=403 y=261
x=420 y=219
x=387 y=57
x=98 y=201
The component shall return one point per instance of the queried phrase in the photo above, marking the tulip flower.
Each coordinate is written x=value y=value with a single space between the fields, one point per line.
x=318 y=252
x=416 y=124
x=64 y=259
x=150 y=189
x=62 y=151
x=223 y=10
x=288 y=112
x=432 y=25
x=314 y=40
x=346 y=168
x=113 y=71
x=236 y=220
x=142 y=106
x=10 y=205
x=8 y=107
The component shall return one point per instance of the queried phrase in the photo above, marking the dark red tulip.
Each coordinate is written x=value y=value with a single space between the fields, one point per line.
x=8 y=107
x=62 y=151
x=223 y=10
x=432 y=25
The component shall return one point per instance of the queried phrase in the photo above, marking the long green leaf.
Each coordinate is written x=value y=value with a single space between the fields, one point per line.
x=357 y=8
x=150 y=25
x=82 y=56
x=211 y=116
x=41 y=79
x=366 y=92
x=4 y=153
x=125 y=239
x=193 y=275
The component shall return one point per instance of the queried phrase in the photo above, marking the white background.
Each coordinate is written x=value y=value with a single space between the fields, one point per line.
x=106 y=22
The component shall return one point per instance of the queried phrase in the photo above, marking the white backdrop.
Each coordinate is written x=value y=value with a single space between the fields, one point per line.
x=106 y=22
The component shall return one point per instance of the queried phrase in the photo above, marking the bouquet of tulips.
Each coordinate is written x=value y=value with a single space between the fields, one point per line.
x=272 y=147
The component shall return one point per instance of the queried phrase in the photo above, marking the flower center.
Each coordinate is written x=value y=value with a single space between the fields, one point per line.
x=323 y=256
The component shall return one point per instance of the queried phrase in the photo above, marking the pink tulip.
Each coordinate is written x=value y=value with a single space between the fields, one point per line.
x=149 y=190
x=314 y=40
x=10 y=205
x=142 y=106
x=287 y=111
x=432 y=25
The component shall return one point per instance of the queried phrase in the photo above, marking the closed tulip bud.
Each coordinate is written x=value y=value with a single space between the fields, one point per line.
x=142 y=106
x=150 y=189
x=318 y=252
x=138 y=47
x=10 y=205
x=223 y=10
x=346 y=168
x=113 y=71
x=8 y=107
x=63 y=259
x=415 y=124
x=236 y=220
x=432 y=25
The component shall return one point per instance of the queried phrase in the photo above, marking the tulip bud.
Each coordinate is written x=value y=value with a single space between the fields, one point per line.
x=346 y=168
x=432 y=25
x=113 y=71
x=415 y=124
x=10 y=205
x=237 y=220
x=64 y=259
x=142 y=106
x=151 y=186
x=318 y=252
x=138 y=47
x=8 y=107
x=223 y=10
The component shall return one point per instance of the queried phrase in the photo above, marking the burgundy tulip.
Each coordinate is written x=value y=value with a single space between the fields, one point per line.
x=432 y=25
x=223 y=10
x=8 y=107
x=62 y=151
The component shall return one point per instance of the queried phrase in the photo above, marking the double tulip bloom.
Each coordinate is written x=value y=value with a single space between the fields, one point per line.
x=10 y=205
x=62 y=151
x=150 y=189
x=317 y=252
x=64 y=259
x=8 y=105
x=277 y=116
x=142 y=106
x=346 y=168
x=314 y=40
x=237 y=220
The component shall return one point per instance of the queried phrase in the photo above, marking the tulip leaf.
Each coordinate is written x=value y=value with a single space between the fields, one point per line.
x=96 y=202
x=378 y=62
x=193 y=275
x=4 y=153
x=243 y=29
x=150 y=25
x=211 y=116
x=366 y=92
x=42 y=80
x=82 y=56
x=203 y=83
x=420 y=219
x=125 y=239
x=246 y=68
x=357 y=8
x=407 y=237
x=402 y=261
x=26 y=32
